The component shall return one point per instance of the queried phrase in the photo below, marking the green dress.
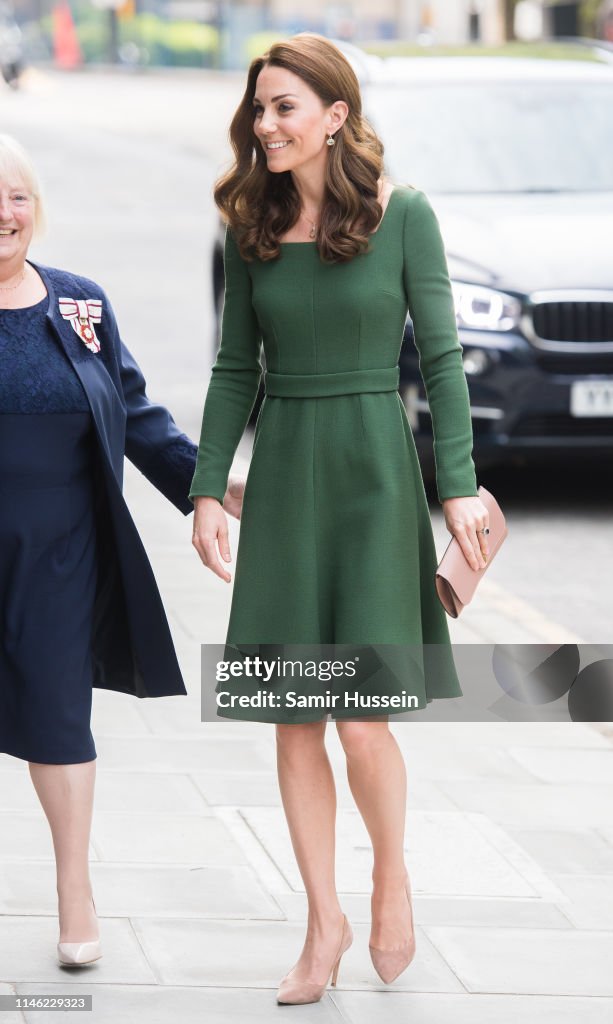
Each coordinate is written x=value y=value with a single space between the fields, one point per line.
x=336 y=543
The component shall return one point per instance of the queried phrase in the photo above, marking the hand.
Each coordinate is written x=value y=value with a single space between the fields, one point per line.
x=210 y=526
x=233 y=498
x=464 y=517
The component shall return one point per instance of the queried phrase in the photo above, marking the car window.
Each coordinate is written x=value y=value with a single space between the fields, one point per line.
x=497 y=136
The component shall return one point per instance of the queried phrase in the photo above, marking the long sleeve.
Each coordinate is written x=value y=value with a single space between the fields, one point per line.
x=235 y=379
x=430 y=298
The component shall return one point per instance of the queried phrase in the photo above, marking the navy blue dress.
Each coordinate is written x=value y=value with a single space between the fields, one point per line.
x=48 y=564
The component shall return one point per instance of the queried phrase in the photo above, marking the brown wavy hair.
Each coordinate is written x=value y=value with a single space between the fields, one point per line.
x=260 y=206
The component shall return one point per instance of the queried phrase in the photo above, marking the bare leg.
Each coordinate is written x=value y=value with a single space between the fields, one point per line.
x=377 y=778
x=66 y=792
x=308 y=793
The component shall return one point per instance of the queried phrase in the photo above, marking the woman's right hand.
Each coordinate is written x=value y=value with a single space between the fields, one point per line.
x=211 y=527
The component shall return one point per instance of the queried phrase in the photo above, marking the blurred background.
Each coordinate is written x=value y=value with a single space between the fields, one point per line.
x=227 y=34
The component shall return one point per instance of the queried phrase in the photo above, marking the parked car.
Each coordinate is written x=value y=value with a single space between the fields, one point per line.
x=516 y=156
x=11 y=48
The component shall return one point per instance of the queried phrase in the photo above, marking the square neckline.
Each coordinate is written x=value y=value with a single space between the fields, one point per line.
x=379 y=226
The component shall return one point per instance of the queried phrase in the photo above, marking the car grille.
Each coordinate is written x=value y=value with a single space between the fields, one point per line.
x=562 y=425
x=575 y=365
x=573 y=321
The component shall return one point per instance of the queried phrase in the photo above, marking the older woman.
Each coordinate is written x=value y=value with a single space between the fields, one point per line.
x=80 y=606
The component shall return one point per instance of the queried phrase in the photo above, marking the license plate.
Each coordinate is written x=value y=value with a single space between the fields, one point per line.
x=591 y=398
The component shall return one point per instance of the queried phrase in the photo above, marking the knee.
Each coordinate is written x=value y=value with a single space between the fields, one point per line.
x=300 y=739
x=363 y=740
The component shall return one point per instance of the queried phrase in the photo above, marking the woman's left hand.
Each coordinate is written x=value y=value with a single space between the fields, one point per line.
x=464 y=518
x=233 y=498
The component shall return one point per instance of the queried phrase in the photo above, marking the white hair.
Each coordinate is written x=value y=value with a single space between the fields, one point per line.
x=16 y=167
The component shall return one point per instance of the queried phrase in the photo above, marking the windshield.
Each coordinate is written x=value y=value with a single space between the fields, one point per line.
x=497 y=136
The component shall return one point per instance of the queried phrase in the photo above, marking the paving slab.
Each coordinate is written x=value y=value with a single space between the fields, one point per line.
x=238 y=788
x=257 y=954
x=179 y=718
x=500 y=735
x=433 y=1008
x=10 y=1016
x=485 y=862
x=463 y=763
x=567 y=851
x=575 y=764
x=428 y=909
x=16 y=790
x=494 y=626
x=140 y=792
x=260 y=788
x=28 y=954
x=606 y=831
x=528 y=961
x=166 y=838
x=109 y=717
x=153 y=1004
x=25 y=836
x=180 y=754
x=139 y=889
x=535 y=804
x=590 y=903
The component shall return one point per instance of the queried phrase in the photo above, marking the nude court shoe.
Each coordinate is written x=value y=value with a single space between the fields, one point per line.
x=294 y=991
x=389 y=963
x=78 y=954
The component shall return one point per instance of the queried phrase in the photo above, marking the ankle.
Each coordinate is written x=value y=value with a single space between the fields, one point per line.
x=75 y=893
x=322 y=922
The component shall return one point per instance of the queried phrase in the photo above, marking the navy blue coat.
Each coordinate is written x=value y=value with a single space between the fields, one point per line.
x=132 y=646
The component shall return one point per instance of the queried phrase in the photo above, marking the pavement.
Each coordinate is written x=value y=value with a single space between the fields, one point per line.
x=509 y=838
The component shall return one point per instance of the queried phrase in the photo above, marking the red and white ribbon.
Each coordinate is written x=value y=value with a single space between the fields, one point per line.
x=83 y=314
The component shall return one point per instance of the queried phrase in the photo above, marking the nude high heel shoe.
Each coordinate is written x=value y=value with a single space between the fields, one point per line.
x=390 y=963
x=77 y=954
x=293 y=991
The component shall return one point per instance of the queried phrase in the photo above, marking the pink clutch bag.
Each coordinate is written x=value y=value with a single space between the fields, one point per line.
x=455 y=580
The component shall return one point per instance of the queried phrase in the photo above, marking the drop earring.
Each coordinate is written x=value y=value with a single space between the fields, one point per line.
x=331 y=140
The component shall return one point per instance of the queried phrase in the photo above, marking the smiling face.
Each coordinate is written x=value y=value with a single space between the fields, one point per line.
x=291 y=116
x=17 y=220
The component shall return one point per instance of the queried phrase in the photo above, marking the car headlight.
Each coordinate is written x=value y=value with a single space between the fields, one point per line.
x=485 y=309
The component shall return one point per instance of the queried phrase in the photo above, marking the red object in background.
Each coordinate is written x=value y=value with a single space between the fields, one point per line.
x=66 y=48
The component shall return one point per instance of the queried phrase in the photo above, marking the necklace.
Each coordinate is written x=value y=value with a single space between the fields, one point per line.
x=313 y=226
x=12 y=287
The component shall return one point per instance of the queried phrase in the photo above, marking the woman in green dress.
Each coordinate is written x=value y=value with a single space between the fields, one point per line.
x=323 y=258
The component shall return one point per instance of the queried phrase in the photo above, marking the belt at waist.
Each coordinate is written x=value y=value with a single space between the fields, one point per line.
x=324 y=385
